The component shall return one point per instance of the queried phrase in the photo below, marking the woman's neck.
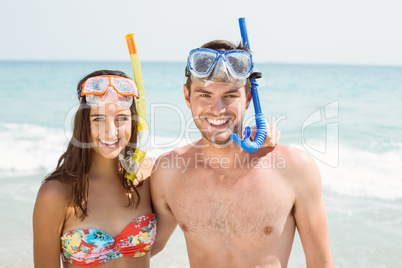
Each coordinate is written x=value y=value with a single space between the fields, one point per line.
x=103 y=166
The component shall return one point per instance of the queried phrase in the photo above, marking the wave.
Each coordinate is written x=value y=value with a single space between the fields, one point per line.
x=29 y=149
x=360 y=173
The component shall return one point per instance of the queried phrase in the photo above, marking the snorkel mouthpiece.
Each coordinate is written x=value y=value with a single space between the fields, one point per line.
x=246 y=143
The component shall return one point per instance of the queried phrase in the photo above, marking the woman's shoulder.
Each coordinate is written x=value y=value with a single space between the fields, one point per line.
x=54 y=192
x=52 y=205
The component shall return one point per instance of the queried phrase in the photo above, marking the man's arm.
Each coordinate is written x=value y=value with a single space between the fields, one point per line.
x=166 y=222
x=309 y=213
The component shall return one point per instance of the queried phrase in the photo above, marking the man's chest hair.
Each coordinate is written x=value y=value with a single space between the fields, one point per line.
x=226 y=211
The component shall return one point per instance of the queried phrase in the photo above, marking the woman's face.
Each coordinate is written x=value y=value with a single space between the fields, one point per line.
x=110 y=129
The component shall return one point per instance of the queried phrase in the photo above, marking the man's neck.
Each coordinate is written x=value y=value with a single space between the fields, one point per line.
x=220 y=155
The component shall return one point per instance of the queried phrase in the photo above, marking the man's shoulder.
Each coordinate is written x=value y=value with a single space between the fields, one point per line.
x=298 y=163
x=180 y=154
x=174 y=161
x=293 y=156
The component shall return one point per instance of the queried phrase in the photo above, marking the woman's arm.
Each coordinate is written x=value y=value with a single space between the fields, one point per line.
x=48 y=219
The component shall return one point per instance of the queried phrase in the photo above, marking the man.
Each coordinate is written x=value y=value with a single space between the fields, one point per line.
x=236 y=208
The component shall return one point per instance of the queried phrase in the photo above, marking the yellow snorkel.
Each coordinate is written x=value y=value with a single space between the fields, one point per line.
x=142 y=143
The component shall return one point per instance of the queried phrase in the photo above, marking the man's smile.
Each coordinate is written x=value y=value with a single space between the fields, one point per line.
x=217 y=121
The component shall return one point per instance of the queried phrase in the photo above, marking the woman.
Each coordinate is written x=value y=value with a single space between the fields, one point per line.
x=85 y=209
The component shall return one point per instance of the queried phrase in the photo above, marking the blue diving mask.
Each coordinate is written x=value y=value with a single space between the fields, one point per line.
x=220 y=65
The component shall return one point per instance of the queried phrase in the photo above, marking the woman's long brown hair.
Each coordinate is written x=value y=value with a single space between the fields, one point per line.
x=73 y=166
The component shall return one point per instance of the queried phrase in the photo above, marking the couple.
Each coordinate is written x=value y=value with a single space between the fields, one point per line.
x=235 y=208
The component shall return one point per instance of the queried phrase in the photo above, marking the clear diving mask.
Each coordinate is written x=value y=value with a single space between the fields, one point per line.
x=225 y=66
x=109 y=89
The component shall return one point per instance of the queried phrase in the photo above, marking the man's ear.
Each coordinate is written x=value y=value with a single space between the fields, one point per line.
x=249 y=97
x=186 y=92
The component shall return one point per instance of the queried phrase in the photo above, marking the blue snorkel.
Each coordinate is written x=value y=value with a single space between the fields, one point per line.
x=246 y=143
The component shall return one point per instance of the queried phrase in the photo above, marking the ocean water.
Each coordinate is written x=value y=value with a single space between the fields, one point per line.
x=347 y=117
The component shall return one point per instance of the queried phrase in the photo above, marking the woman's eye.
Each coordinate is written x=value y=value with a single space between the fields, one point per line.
x=99 y=119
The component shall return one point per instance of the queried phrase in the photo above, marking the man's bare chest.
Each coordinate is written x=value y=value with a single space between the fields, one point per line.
x=252 y=206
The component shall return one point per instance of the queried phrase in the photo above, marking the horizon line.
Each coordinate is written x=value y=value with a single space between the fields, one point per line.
x=184 y=62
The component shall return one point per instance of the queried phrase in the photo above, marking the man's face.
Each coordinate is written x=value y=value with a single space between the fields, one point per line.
x=218 y=109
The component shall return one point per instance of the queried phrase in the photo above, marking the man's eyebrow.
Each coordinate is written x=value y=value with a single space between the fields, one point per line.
x=233 y=90
x=201 y=90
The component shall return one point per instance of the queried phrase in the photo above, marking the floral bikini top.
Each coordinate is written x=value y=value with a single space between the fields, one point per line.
x=93 y=247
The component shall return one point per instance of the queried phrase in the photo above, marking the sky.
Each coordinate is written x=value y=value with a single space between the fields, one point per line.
x=362 y=32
